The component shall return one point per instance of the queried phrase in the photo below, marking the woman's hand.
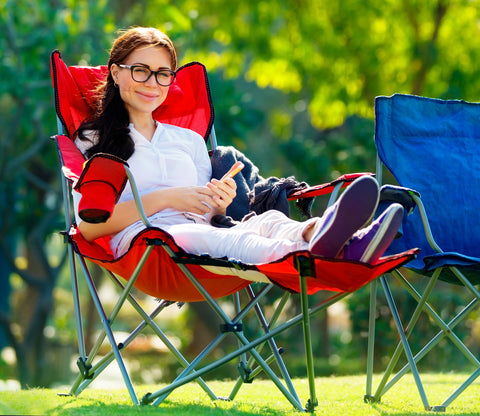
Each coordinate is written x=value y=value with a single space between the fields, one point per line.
x=224 y=193
x=194 y=199
x=212 y=199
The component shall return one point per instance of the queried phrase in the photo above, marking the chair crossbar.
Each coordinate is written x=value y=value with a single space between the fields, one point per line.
x=249 y=346
x=274 y=348
x=461 y=388
x=250 y=373
x=120 y=301
x=404 y=342
x=446 y=328
x=293 y=398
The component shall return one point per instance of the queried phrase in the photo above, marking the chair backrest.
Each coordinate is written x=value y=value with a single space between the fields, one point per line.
x=433 y=146
x=188 y=104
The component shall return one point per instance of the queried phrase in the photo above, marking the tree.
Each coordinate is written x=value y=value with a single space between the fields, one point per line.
x=30 y=209
x=337 y=56
x=330 y=58
x=293 y=84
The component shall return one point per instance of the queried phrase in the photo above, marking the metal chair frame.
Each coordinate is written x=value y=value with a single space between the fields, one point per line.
x=446 y=329
x=90 y=371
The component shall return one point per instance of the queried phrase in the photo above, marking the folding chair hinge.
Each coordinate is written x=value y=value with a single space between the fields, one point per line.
x=305 y=266
x=236 y=327
x=245 y=372
x=84 y=368
x=66 y=237
x=155 y=242
x=310 y=407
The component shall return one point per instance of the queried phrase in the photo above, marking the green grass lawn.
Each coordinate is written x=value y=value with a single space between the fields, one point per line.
x=337 y=396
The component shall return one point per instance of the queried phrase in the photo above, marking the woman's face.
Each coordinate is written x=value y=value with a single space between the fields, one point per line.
x=141 y=98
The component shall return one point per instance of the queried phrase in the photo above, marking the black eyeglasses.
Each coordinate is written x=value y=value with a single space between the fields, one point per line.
x=164 y=77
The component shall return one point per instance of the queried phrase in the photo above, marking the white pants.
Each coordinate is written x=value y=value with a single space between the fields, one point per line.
x=261 y=239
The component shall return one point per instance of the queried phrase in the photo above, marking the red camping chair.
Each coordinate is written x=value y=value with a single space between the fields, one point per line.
x=158 y=267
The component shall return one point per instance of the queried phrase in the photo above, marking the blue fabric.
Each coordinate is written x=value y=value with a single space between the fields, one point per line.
x=433 y=146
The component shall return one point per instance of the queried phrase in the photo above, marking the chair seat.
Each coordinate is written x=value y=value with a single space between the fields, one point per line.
x=469 y=266
x=161 y=277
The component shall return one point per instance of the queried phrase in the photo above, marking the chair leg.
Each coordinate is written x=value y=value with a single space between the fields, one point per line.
x=307 y=333
x=383 y=386
x=371 y=341
x=109 y=334
x=404 y=341
x=247 y=346
x=76 y=304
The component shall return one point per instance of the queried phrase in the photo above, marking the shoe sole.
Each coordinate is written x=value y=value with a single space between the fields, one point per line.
x=355 y=207
x=385 y=235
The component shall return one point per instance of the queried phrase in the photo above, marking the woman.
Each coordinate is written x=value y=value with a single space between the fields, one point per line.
x=173 y=173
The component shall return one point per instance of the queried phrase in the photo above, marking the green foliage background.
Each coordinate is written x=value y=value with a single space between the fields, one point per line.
x=293 y=83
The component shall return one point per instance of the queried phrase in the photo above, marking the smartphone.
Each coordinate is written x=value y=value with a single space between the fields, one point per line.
x=236 y=167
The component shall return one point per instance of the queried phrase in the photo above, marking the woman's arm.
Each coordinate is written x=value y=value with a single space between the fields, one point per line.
x=194 y=199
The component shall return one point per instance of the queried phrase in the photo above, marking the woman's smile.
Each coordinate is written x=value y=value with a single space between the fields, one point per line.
x=147 y=96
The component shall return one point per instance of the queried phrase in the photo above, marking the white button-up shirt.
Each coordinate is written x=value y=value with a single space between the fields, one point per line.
x=174 y=157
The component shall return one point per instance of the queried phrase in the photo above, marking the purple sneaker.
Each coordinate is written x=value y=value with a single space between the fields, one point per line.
x=352 y=211
x=369 y=244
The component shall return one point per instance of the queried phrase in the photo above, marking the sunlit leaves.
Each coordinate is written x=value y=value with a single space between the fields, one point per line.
x=276 y=73
x=347 y=51
x=29 y=31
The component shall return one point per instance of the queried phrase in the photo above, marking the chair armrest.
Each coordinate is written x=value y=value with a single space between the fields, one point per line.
x=327 y=188
x=410 y=199
x=426 y=224
x=399 y=194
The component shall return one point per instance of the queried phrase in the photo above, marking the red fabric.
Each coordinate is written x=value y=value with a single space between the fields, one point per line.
x=97 y=202
x=327 y=188
x=74 y=90
x=332 y=274
x=188 y=103
x=161 y=277
x=101 y=183
x=71 y=158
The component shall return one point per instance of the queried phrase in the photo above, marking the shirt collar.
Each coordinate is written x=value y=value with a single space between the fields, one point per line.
x=139 y=138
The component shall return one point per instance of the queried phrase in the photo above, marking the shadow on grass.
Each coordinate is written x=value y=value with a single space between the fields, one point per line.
x=383 y=410
x=100 y=408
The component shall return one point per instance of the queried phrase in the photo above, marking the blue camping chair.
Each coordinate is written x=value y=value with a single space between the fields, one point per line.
x=432 y=147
